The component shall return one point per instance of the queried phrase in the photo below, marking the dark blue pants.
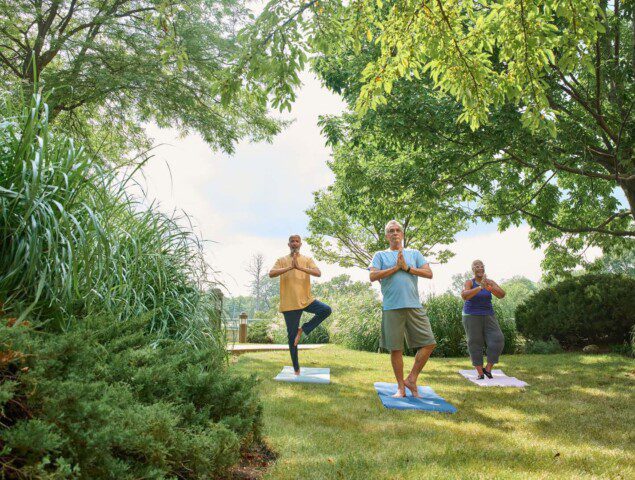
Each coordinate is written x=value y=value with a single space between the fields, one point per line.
x=292 y=318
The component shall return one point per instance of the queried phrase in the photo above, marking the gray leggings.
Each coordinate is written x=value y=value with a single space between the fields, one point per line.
x=483 y=330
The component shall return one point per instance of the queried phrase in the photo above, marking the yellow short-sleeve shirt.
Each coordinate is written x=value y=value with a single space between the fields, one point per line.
x=295 y=286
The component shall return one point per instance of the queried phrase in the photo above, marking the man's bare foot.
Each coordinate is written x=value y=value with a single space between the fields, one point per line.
x=412 y=386
x=297 y=337
x=296 y=373
x=401 y=392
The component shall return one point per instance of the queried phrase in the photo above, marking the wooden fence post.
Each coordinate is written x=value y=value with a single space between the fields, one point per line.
x=242 y=328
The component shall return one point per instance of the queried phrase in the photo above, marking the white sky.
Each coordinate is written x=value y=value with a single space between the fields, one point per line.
x=251 y=201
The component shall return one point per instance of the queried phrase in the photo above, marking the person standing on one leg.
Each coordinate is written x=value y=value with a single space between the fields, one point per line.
x=479 y=321
x=295 y=272
x=398 y=269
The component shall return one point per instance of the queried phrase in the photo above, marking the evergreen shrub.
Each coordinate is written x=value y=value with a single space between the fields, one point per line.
x=588 y=309
x=108 y=400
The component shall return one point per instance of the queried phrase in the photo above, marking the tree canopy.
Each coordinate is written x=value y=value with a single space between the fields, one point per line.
x=108 y=66
x=521 y=111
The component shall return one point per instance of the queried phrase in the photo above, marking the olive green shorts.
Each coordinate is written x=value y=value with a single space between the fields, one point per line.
x=412 y=323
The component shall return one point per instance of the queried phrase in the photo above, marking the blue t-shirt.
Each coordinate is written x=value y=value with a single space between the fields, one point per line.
x=400 y=289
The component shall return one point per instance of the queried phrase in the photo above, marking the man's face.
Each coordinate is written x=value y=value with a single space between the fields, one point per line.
x=295 y=243
x=394 y=234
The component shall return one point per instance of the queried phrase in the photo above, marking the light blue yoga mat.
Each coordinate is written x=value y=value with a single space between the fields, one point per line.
x=307 y=375
x=428 y=400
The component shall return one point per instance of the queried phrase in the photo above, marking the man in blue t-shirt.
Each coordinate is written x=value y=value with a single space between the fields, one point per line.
x=398 y=269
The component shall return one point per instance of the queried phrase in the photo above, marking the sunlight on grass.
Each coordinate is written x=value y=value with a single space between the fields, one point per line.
x=574 y=425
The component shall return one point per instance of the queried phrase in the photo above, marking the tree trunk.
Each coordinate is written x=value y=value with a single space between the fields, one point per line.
x=629 y=191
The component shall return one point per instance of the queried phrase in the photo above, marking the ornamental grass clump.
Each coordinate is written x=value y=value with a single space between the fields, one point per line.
x=75 y=242
x=106 y=400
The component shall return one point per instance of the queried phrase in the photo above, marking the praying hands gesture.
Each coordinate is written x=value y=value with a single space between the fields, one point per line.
x=401 y=261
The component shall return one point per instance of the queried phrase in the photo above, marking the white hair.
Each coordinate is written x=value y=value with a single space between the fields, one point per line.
x=477 y=261
x=392 y=222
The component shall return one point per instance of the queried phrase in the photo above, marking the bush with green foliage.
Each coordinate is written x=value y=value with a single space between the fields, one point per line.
x=508 y=327
x=585 y=309
x=543 y=346
x=444 y=312
x=319 y=335
x=258 y=332
x=75 y=242
x=358 y=324
x=517 y=290
x=107 y=400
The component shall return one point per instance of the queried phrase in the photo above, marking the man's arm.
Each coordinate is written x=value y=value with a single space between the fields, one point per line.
x=311 y=271
x=425 y=271
x=376 y=274
x=276 y=272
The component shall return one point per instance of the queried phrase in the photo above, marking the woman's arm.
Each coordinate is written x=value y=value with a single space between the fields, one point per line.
x=496 y=290
x=468 y=292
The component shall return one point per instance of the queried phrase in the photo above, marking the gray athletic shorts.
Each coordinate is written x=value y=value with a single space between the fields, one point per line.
x=411 y=323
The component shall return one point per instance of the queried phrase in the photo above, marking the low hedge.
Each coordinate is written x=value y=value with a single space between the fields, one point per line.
x=109 y=400
x=594 y=308
x=258 y=332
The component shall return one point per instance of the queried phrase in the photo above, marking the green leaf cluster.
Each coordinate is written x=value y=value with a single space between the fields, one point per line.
x=575 y=186
x=591 y=308
x=104 y=400
x=111 y=66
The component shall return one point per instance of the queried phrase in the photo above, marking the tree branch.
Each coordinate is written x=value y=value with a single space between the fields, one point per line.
x=571 y=91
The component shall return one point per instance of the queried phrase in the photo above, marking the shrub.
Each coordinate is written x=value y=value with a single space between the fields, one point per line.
x=581 y=310
x=543 y=346
x=318 y=335
x=444 y=312
x=358 y=325
x=75 y=242
x=258 y=332
x=625 y=349
x=508 y=326
x=106 y=400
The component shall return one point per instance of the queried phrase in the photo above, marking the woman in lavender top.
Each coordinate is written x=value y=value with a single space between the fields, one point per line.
x=479 y=321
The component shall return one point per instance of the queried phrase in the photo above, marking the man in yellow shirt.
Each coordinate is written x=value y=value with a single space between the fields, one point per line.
x=295 y=272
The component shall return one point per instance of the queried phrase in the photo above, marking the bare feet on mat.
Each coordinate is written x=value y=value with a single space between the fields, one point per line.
x=412 y=386
x=401 y=392
x=297 y=337
x=296 y=373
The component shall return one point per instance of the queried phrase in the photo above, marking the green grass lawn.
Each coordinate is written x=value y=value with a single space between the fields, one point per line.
x=575 y=420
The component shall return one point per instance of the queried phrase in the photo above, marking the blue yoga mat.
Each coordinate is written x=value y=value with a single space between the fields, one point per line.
x=428 y=400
